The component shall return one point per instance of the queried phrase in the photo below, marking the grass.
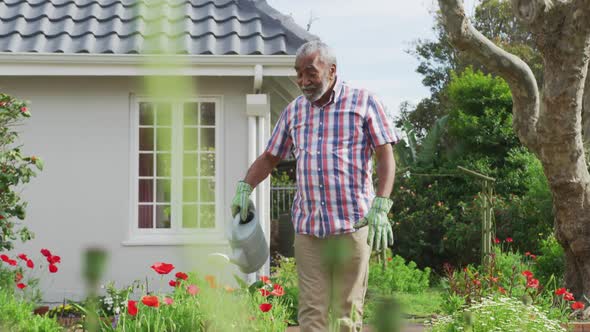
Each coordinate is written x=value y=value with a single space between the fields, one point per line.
x=421 y=305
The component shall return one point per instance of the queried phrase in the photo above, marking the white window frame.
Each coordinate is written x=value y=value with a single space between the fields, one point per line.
x=176 y=235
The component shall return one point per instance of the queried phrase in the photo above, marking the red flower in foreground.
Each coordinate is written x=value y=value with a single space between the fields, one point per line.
x=496 y=241
x=528 y=253
x=264 y=292
x=150 y=301
x=132 y=307
x=30 y=264
x=45 y=252
x=501 y=290
x=22 y=286
x=278 y=290
x=12 y=262
x=168 y=300
x=172 y=283
x=4 y=258
x=52 y=268
x=181 y=275
x=578 y=305
x=265 y=307
x=528 y=274
x=193 y=289
x=509 y=240
x=265 y=279
x=18 y=277
x=23 y=257
x=533 y=257
x=162 y=268
x=494 y=279
x=54 y=259
x=532 y=283
x=560 y=291
x=568 y=296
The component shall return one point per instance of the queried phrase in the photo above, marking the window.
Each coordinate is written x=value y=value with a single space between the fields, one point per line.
x=176 y=183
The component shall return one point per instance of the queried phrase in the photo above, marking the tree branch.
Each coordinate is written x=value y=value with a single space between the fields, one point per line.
x=531 y=11
x=520 y=78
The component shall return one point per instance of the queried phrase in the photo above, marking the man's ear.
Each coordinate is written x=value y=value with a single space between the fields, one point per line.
x=332 y=71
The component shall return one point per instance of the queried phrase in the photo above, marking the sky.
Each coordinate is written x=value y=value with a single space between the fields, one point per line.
x=370 y=39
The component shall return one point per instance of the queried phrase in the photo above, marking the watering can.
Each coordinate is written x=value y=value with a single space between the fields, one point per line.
x=249 y=247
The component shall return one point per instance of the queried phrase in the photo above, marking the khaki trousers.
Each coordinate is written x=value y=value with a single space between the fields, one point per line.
x=333 y=276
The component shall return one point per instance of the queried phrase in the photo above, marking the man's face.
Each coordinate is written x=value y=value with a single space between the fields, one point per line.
x=314 y=77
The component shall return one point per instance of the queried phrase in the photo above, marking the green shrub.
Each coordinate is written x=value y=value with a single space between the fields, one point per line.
x=497 y=314
x=397 y=276
x=550 y=261
x=17 y=315
x=285 y=273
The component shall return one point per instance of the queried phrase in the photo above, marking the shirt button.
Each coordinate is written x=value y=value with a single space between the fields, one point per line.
x=321 y=185
x=320 y=137
x=322 y=203
x=319 y=169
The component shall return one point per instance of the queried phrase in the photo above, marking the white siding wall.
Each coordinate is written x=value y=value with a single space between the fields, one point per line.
x=81 y=128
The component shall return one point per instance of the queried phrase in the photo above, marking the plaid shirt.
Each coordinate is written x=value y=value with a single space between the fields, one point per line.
x=333 y=145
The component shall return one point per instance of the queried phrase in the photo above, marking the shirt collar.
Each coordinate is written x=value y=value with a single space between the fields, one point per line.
x=336 y=93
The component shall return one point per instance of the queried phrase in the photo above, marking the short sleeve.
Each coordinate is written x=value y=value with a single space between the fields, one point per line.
x=280 y=140
x=379 y=129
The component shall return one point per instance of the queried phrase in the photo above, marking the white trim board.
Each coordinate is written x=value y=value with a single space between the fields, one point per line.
x=56 y=64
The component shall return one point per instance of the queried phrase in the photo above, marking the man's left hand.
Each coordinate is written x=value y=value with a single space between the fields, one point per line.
x=380 y=232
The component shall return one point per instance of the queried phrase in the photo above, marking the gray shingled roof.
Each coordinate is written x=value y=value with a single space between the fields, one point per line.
x=218 y=27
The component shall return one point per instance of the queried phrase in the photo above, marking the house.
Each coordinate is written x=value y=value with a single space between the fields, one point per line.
x=146 y=114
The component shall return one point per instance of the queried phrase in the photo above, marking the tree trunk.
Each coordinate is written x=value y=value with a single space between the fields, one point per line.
x=550 y=126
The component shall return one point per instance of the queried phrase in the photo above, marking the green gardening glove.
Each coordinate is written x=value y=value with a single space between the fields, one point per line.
x=380 y=232
x=241 y=203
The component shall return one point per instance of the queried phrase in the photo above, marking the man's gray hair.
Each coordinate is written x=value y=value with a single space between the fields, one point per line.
x=326 y=54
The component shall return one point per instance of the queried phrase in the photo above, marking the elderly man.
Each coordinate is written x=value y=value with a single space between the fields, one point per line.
x=334 y=129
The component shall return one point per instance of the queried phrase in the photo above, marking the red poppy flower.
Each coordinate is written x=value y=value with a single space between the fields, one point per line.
x=193 y=290
x=501 y=290
x=181 y=275
x=578 y=305
x=168 y=300
x=528 y=253
x=18 y=277
x=560 y=291
x=45 y=252
x=23 y=257
x=476 y=282
x=150 y=301
x=533 y=256
x=278 y=290
x=172 y=283
x=509 y=240
x=264 y=292
x=568 y=296
x=23 y=109
x=21 y=285
x=389 y=259
x=132 y=307
x=496 y=241
x=54 y=259
x=265 y=307
x=265 y=279
x=4 y=258
x=528 y=274
x=494 y=279
x=30 y=264
x=12 y=262
x=532 y=283
x=162 y=268
x=52 y=268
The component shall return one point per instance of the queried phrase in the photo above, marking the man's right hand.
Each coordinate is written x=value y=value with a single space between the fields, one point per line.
x=241 y=203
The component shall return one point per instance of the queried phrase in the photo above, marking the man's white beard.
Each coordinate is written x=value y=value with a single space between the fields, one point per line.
x=325 y=85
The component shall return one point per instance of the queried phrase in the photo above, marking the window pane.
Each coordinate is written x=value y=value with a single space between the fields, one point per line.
x=163 y=164
x=207 y=190
x=163 y=191
x=189 y=216
x=163 y=115
x=146 y=164
x=191 y=115
x=163 y=216
x=146 y=114
x=207 y=114
x=145 y=216
x=146 y=139
x=207 y=139
x=207 y=216
x=164 y=139
x=207 y=164
x=146 y=190
x=189 y=190
x=191 y=141
x=189 y=164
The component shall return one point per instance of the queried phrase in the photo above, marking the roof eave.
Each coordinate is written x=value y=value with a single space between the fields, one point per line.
x=59 y=64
